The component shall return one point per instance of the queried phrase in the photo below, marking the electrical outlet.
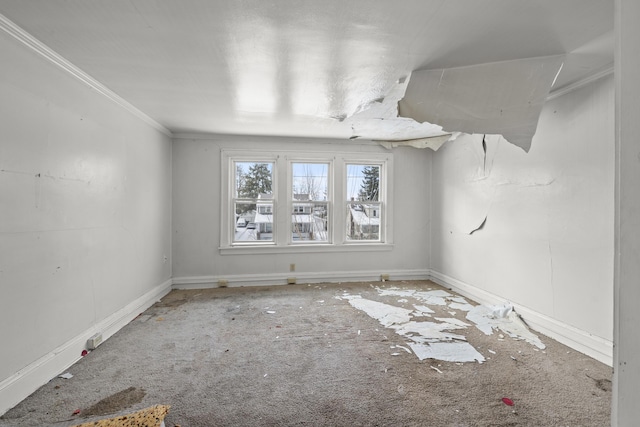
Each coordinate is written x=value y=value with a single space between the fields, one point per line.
x=292 y=267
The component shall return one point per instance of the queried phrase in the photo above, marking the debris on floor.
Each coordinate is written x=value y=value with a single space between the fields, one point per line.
x=66 y=376
x=505 y=319
x=507 y=401
x=148 y=417
x=447 y=351
x=435 y=339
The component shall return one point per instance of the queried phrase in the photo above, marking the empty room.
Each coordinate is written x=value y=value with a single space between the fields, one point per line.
x=319 y=213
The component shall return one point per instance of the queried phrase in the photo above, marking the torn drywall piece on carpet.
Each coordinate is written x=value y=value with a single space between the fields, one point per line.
x=429 y=331
x=499 y=98
x=505 y=319
x=447 y=351
x=422 y=335
x=388 y=315
x=435 y=339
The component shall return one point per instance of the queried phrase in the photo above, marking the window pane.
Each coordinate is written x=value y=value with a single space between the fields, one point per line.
x=253 y=179
x=363 y=182
x=363 y=221
x=310 y=181
x=250 y=224
x=309 y=221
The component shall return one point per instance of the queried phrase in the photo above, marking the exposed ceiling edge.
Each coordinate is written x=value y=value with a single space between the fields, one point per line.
x=203 y=136
x=432 y=142
x=49 y=54
x=582 y=82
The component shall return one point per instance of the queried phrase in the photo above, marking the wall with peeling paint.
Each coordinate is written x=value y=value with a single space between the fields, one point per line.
x=535 y=229
x=196 y=219
x=85 y=217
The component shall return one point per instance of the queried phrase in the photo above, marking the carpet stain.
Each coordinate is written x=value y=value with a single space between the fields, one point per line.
x=116 y=402
x=604 y=385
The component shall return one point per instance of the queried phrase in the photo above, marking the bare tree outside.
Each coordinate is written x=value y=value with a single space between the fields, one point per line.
x=310 y=187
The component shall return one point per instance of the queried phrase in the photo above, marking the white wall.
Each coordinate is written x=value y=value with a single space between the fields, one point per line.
x=626 y=391
x=547 y=244
x=196 y=220
x=85 y=211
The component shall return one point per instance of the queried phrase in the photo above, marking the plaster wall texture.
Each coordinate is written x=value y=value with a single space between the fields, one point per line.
x=626 y=358
x=197 y=210
x=543 y=220
x=85 y=211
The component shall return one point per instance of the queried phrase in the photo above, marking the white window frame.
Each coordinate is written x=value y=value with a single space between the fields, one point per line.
x=228 y=220
x=382 y=199
x=282 y=187
x=330 y=202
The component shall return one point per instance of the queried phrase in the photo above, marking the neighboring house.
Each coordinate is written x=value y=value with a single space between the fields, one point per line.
x=363 y=222
x=264 y=217
x=302 y=220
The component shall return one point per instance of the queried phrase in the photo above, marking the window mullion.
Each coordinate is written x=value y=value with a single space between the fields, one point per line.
x=339 y=205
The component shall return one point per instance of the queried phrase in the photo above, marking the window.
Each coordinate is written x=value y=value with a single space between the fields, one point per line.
x=310 y=202
x=253 y=201
x=304 y=201
x=363 y=204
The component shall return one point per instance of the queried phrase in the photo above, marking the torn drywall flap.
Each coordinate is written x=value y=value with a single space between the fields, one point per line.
x=495 y=98
x=475 y=155
x=377 y=119
x=434 y=142
x=474 y=218
x=479 y=227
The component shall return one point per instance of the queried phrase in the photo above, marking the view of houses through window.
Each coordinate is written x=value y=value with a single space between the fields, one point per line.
x=253 y=203
x=363 y=206
x=309 y=203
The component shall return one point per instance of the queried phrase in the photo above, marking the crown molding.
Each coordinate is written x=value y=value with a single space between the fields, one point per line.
x=580 y=83
x=49 y=54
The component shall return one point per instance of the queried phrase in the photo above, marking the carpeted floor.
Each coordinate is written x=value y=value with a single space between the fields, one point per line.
x=303 y=355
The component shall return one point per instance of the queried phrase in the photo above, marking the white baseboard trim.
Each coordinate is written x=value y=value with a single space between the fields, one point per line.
x=582 y=341
x=27 y=380
x=236 y=280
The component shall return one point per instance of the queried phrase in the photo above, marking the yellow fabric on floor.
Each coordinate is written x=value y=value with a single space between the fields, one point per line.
x=148 y=417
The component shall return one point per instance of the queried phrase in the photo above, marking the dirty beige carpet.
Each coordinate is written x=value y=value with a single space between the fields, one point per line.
x=298 y=356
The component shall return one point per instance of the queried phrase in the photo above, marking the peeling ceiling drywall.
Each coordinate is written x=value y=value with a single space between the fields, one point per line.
x=328 y=69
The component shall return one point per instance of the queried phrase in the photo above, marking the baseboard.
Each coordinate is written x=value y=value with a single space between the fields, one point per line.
x=236 y=280
x=582 y=341
x=27 y=380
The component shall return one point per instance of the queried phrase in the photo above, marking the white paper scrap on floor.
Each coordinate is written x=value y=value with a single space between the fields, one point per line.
x=433 y=339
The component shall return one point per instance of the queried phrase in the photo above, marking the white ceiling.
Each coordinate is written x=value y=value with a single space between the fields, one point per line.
x=303 y=67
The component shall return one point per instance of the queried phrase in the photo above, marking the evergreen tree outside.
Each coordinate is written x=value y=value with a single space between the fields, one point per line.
x=370 y=187
x=257 y=180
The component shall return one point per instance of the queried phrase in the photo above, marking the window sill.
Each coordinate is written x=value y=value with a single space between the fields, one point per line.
x=301 y=248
